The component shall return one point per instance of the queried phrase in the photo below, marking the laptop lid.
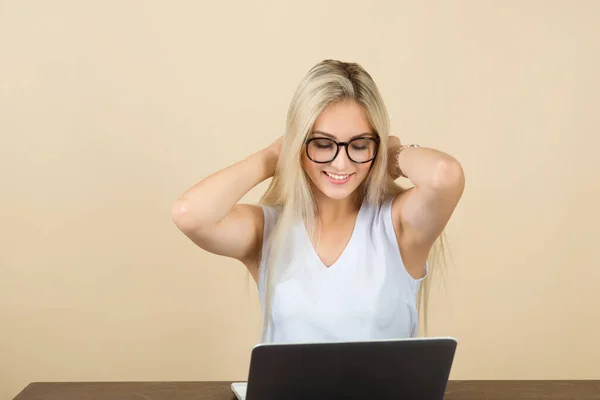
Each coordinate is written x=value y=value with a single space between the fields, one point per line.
x=415 y=368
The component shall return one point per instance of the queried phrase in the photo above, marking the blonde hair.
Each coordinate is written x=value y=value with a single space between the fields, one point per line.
x=327 y=83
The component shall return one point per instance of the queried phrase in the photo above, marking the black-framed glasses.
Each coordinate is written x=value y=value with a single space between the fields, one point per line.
x=359 y=150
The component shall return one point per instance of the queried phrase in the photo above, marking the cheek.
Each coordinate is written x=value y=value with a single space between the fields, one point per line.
x=363 y=170
x=362 y=173
x=312 y=170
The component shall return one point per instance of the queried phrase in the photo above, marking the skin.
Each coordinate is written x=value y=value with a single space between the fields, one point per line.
x=210 y=215
x=419 y=214
x=337 y=204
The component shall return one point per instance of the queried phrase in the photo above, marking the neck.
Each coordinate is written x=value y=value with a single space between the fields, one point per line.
x=332 y=210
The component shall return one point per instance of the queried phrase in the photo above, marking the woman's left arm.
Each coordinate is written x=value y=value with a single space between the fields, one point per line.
x=438 y=178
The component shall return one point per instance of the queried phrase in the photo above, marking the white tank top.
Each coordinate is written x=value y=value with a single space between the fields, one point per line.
x=366 y=294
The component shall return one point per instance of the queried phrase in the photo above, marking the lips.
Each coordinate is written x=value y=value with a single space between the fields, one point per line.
x=336 y=176
x=337 y=179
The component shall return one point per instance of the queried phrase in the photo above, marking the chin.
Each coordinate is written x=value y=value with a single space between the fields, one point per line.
x=338 y=192
x=337 y=195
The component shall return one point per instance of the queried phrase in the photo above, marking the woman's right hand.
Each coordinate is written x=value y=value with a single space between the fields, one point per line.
x=210 y=214
x=273 y=152
x=275 y=147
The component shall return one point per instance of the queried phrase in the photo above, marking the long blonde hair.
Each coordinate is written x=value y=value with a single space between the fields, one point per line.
x=327 y=83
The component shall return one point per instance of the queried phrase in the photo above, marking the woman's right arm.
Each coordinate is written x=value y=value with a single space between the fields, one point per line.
x=209 y=215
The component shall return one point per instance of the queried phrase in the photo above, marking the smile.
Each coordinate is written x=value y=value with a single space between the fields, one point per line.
x=334 y=178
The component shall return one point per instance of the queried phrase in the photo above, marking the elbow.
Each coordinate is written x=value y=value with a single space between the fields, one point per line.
x=180 y=215
x=449 y=175
x=189 y=220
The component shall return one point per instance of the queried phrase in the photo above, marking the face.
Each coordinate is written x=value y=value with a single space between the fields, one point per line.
x=340 y=177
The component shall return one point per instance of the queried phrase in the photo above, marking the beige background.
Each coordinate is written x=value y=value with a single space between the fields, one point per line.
x=110 y=110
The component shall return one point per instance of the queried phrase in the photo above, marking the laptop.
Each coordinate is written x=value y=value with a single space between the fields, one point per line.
x=413 y=368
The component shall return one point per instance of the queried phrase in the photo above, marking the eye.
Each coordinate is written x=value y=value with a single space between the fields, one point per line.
x=322 y=143
x=361 y=144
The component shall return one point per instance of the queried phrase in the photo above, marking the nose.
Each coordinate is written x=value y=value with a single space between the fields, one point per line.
x=341 y=161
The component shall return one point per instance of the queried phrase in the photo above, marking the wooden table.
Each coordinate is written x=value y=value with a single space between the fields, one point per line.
x=463 y=390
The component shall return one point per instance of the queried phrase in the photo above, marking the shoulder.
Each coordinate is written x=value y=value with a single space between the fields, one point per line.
x=396 y=204
x=378 y=220
x=384 y=228
x=266 y=219
x=380 y=212
x=414 y=253
x=270 y=217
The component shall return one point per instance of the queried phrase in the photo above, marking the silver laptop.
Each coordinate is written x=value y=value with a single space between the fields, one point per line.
x=415 y=368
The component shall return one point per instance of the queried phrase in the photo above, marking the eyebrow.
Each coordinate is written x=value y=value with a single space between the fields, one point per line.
x=353 y=137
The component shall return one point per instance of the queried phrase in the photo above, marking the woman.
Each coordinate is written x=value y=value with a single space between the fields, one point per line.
x=337 y=249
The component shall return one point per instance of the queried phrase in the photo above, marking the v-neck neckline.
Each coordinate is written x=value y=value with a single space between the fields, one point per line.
x=344 y=251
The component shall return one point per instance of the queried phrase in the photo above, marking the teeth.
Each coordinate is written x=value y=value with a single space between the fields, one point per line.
x=340 y=177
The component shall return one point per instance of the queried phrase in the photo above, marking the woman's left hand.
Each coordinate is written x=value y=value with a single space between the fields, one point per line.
x=393 y=145
x=393 y=142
